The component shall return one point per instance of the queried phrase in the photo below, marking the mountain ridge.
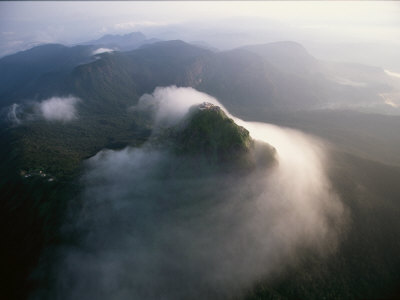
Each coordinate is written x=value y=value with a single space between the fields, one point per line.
x=258 y=73
x=122 y=42
x=42 y=160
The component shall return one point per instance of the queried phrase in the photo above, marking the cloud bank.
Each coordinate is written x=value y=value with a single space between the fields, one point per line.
x=58 y=108
x=154 y=225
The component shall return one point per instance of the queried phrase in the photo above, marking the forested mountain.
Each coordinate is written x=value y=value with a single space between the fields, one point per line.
x=258 y=75
x=119 y=100
x=39 y=71
x=123 y=42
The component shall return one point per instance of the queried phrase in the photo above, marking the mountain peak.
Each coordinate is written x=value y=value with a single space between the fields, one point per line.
x=170 y=43
x=292 y=44
x=208 y=106
x=209 y=132
x=288 y=56
x=118 y=37
x=176 y=49
x=123 y=42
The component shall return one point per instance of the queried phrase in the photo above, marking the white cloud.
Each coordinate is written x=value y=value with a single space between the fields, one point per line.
x=13 y=114
x=345 y=81
x=102 y=50
x=58 y=108
x=172 y=103
x=393 y=74
x=155 y=219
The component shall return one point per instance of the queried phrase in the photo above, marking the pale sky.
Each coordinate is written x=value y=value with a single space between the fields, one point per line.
x=223 y=24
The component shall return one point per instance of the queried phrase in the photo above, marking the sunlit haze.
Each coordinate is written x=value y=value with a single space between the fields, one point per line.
x=331 y=29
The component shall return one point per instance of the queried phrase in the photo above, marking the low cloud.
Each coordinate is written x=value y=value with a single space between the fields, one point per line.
x=62 y=109
x=345 y=81
x=58 y=108
x=154 y=225
x=393 y=74
x=172 y=103
x=13 y=114
x=102 y=50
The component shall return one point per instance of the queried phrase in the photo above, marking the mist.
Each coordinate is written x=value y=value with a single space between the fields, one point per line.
x=393 y=74
x=335 y=30
x=102 y=50
x=13 y=112
x=58 y=108
x=171 y=104
x=54 y=109
x=155 y=225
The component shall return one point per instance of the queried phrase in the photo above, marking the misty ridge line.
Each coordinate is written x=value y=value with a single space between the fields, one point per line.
x=153 y=225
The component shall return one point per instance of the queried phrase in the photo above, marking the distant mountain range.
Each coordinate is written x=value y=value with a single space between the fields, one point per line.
x=276 y=76
x=124 y=42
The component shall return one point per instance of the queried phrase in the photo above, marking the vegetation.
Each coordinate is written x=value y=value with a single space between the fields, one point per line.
x=209 y=132
x=59 y=149
x=366 y=263
x=40 y=167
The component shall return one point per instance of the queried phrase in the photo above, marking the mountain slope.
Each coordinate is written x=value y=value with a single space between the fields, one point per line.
x=40 y=70
x=289 y=57
x=277 y=76
x=366 y=264
x=117 y=80
x=209 y=134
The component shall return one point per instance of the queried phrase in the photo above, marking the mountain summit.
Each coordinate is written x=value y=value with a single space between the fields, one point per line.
x=208 y=132
x=122 y=42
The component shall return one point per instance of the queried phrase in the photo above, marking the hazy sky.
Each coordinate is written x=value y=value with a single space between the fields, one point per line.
x=223 y=24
